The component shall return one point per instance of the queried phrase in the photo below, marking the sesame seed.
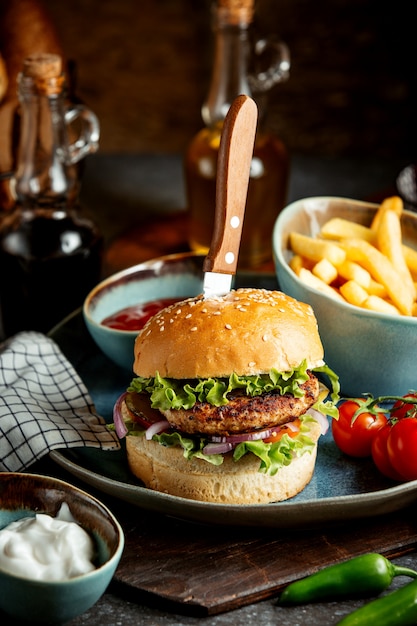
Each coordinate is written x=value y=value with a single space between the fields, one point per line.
x=252 y=364
x=264 y=337
x=162 y=328
x=193 y=329
x=187 y=317
x=228 y=326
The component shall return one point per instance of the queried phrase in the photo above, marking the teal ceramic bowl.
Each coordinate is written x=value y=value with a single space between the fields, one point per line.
x=371 y=352
x=173 y=276
x=21 y=495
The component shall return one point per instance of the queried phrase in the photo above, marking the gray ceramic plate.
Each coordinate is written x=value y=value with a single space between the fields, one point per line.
x=341 y=488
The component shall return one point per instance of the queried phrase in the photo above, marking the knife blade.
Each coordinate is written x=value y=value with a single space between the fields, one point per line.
x=233 y=169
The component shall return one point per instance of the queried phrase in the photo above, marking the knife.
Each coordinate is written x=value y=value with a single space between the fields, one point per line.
x=233 y=169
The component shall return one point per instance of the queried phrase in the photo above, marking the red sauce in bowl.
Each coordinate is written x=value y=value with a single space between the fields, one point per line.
x=135 y=317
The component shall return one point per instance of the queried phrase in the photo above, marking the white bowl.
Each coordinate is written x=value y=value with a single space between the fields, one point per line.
x=371 y=352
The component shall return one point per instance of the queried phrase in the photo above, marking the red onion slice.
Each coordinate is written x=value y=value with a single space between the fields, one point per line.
x=321 y=419
x=156 y=427
x=119 y=423
x=217 y=448
x=239 y=437
x=295 y=427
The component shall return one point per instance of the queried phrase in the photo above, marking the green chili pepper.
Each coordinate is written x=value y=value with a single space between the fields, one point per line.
x=398 y=607
x=362 y=576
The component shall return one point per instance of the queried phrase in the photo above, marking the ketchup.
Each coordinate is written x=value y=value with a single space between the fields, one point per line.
x=135 y=317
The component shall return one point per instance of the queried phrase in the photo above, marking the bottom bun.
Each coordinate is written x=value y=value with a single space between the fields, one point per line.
x=165 y=469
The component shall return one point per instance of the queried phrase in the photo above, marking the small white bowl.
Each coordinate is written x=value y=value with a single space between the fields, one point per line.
x=23 y=495
x=173 y=276
x=371 y=352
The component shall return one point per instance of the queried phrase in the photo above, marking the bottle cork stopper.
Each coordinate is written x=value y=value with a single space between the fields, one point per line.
x=237 y=11
x=42 y=66
x=46 y=70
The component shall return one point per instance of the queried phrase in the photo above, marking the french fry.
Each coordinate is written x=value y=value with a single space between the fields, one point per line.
x=374 y=303
x=349 y=270
x=296 y=263
x=339 y=228
x=309 y=279
x=316 y=249
x=410 y=256
x=382 y=270
x=325 y=270
x=394 y=203
x=389 y=242
x=376 y=289
x=353 y=292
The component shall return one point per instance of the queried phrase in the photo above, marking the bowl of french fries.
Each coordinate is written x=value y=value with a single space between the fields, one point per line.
x=355 y=263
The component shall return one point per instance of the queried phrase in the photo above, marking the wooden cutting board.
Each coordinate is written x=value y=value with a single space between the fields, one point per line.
x=205 y=570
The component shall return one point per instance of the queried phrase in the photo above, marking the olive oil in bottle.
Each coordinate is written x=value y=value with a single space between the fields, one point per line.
x=270 y=164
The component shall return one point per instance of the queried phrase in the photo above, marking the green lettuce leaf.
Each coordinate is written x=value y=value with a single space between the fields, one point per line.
x=170 y=393
x=273 y=456
x=326 y=405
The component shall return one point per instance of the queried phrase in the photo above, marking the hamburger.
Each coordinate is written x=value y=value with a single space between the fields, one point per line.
x=228 y=401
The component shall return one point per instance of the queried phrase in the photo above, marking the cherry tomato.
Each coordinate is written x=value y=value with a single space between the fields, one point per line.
x=404 y=409
x=356 y=439
x=380 y=453
x=402 y=447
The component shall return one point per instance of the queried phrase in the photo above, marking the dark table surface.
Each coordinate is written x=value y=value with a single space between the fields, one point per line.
x=122 y=191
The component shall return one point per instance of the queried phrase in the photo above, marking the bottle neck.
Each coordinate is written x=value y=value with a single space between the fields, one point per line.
x=44 y=175
x=230 y=69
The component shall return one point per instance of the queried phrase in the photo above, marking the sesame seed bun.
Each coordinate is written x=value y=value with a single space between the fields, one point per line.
x=247 y=331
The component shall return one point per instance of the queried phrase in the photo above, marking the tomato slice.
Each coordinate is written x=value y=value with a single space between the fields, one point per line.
x=291 y=431
x=141 y=410
x=402 y=447
x=355 y=438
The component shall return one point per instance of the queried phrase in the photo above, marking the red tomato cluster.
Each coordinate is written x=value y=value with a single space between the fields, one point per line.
x=390 y=437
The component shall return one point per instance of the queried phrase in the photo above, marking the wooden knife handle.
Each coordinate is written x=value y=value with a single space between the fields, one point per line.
x=233 y=169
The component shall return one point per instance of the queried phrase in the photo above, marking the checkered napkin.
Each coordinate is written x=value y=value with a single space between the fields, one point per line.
x=44 y=405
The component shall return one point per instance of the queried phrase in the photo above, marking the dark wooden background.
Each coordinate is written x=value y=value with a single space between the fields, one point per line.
x=144 y=67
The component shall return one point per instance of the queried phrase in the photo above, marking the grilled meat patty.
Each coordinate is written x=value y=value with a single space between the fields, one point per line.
x=243 y=413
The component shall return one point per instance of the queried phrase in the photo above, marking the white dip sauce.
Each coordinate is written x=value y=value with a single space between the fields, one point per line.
x=46 y=548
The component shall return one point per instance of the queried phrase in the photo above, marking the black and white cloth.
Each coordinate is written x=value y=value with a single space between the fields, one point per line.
x=44 y=405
